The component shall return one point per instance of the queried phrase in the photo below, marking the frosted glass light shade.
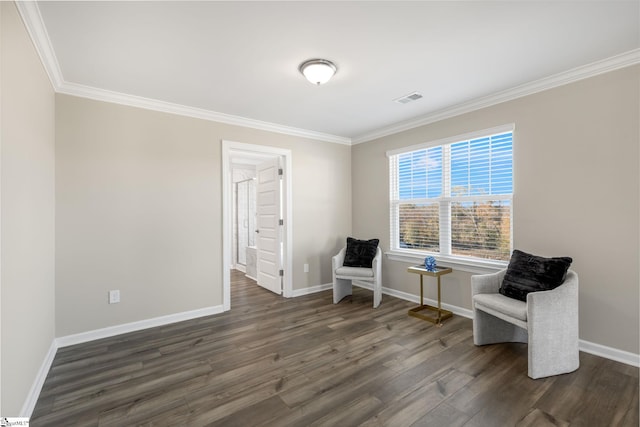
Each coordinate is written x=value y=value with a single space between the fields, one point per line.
x=318 y=71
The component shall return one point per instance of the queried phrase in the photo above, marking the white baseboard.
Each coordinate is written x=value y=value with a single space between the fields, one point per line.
x=611 y=353
x=416 y=299
x=621 y=356
x=586 y=346
x=311 y=290
x=136 y=326
x=32 y=397
x=30 y=402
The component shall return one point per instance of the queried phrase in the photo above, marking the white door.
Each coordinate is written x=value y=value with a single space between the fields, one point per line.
x=268 y=238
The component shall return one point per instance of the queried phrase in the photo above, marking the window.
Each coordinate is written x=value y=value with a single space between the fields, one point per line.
x=454 y=198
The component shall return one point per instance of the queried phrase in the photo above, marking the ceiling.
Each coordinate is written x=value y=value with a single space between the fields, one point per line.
x=239 y=60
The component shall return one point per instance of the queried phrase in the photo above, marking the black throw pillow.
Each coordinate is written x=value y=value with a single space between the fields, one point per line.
x=360 y=253
x=530 y=273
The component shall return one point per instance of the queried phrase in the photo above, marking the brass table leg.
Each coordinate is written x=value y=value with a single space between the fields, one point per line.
x=439 y=304
x=441 y=313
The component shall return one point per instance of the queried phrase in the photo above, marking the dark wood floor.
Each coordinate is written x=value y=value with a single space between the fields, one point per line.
x=272 y=361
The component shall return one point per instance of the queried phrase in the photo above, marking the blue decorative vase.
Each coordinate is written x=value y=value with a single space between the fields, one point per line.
x=430 y=263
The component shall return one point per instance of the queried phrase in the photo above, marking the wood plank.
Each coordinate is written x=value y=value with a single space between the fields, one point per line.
x=274 y=361
x=443 y=415
x=352 y=413
x=538 y=418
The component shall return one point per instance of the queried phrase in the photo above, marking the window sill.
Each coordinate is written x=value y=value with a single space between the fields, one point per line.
x=471 y=266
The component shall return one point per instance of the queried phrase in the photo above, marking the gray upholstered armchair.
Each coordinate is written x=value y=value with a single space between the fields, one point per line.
x=344 y=276
x=547 y=321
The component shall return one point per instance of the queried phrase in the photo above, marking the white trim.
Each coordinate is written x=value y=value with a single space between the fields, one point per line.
x=227 y=221
x=613 y=63
x=468 y=265
x=599 y=350
x=32 y=397
x=311 y=290
x=198 y=113
x=510 y=127
x=227 y=148
x=610 y=353
x=136 y=326
x=416 y=299
x=445 y=256
x=30 y=13
x=606 y=352
x=32 y=19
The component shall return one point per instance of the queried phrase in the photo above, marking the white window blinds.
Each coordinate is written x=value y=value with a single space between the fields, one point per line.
x=454 y=199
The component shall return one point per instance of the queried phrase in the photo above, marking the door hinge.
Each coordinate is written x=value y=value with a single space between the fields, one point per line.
x=281 y=222
x=281 y=273
x=280 y=171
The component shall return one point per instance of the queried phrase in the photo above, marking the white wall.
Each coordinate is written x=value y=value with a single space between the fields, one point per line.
x=139 y=209
x=27 y=178
x=576 y=193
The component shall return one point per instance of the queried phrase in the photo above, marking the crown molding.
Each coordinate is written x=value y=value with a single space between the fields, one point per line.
x=198 y=113
x=623 y=60
x=30 y=14
x=32 y=19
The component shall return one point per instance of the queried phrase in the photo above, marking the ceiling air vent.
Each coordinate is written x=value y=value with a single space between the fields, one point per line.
x=408 y=98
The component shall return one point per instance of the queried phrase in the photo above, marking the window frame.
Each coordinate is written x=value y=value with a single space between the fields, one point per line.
x=471 y=264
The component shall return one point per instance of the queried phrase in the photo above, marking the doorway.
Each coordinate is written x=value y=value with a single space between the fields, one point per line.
x=237 y=155
x=244 y=219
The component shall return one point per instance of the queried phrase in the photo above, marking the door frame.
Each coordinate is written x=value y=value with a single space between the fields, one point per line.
x=228 y=149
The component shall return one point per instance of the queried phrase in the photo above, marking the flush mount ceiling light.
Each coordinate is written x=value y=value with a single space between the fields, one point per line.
x=318 y=71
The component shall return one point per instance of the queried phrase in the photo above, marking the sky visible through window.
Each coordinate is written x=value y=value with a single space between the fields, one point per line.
x=481 y=166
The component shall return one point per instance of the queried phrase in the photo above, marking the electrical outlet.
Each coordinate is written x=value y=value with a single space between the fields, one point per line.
x=114 y=297
x=306 y=268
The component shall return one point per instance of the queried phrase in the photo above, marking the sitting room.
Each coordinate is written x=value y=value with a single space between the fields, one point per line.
x=320 y=213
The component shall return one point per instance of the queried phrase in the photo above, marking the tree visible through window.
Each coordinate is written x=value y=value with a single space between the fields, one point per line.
x=454 y=199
